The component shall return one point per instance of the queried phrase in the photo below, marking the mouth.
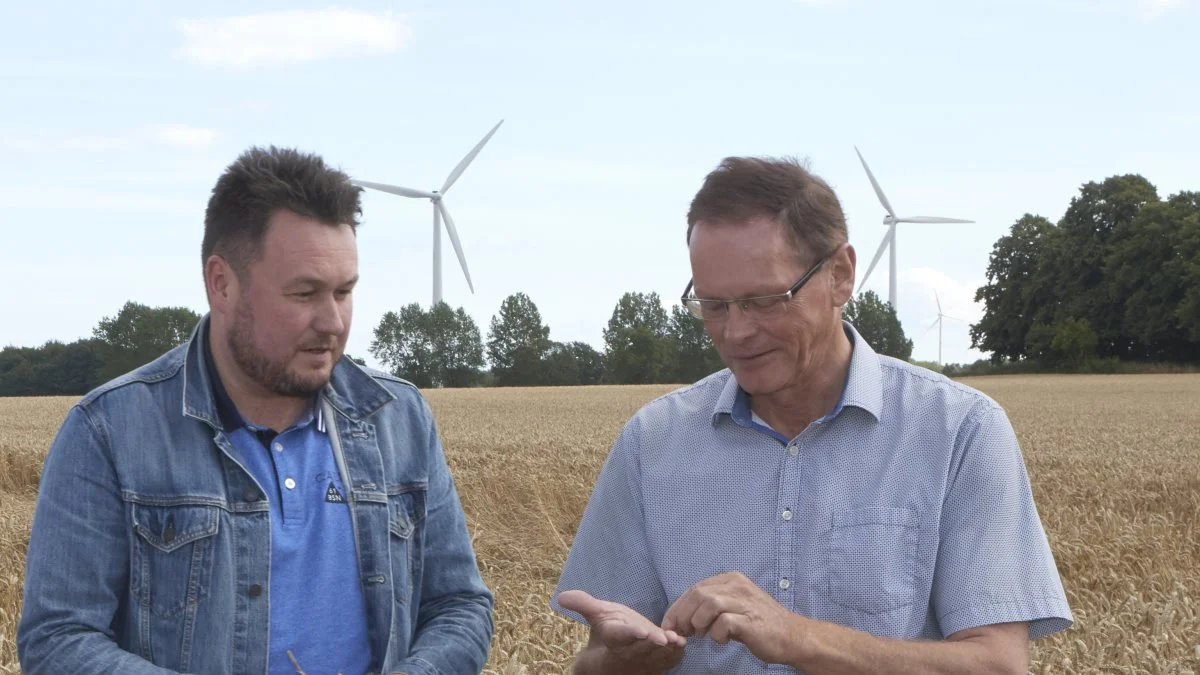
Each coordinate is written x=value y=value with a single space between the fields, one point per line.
x=752 y=358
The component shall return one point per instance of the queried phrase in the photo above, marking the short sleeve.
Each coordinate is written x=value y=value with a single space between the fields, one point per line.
x=994 y=562
x=610 y=557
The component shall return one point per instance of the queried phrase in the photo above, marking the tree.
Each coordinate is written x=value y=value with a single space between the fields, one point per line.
x=876 y=321
x=1147 y=272
x=1074 y=343
x=573 y=363
x=635 y=347
x=54 y=369
x=1073 y=266
x=1010 y=296
x=139 y=334
x=518 y=343
x=438 y=348
x=693 y=355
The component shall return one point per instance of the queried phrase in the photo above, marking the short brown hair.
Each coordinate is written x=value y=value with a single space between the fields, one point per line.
x=263 y=180
x=741 y=188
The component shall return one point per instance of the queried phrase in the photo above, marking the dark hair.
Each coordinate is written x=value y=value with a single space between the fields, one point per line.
x=261 y=181
x=741 y=188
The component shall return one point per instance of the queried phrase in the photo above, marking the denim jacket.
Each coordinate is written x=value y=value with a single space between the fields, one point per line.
x=150 y=550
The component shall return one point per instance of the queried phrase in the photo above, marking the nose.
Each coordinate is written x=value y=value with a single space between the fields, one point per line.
x=329 y=319
x=738 y=324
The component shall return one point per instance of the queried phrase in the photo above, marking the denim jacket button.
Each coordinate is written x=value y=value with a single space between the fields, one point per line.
x=255 y=590
x=251 y=495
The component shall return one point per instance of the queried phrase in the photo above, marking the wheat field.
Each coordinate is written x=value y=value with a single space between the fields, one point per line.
x=1114 y=460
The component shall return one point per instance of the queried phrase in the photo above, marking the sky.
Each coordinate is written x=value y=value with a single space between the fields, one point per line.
x=117 y=119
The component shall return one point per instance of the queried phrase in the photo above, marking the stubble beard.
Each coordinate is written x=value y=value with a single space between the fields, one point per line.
x=274 y=376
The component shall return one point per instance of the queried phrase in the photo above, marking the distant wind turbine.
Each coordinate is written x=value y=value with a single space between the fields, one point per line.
x=889 y=239
x=938 y=322
x=439 y=214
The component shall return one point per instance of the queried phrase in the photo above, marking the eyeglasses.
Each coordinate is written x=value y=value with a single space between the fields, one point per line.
x=713 y=309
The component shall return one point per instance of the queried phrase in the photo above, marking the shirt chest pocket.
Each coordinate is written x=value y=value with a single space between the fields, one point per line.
x=873 y=558
x=172 y=556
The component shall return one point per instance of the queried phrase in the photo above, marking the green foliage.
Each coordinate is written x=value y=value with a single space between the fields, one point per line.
x=139 y=334
x=54 y=369
x=692 y=354
x=573 y=363
x=928 y=365
x=441 y=347
x=876 y=321
x=635 y=341
x=1116 y=280
x=518 y=343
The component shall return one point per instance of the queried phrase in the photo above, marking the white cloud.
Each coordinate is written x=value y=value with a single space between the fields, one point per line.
x=295 y=36
x=182 y=135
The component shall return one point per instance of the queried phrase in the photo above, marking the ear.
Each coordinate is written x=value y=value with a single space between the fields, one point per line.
x=842 y=268
x=221 y=284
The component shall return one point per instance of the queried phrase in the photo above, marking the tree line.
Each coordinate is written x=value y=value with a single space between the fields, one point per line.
x=644 y=343
x=1115 y=280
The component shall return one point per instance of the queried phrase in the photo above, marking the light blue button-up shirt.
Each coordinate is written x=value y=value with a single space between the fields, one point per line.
x=905 y=512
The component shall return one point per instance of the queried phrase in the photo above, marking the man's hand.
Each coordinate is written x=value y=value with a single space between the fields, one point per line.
x=731 y=607
x=631 y=642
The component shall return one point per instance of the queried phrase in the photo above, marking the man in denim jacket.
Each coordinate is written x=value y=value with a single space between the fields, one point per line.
x=253 y=501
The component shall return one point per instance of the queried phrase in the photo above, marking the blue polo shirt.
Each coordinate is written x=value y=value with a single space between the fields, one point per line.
x=316 y=602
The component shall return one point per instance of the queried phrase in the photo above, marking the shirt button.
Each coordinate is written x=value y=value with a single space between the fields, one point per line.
x=785 y=584
x=793 y=450
x=290 y=484
x=278 y=447
x=787 y=514
x=255 y=591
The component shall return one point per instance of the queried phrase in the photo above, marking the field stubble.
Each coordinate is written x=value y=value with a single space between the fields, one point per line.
x=1114 y=460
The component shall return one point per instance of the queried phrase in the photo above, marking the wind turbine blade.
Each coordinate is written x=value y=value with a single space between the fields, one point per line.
x=931 y=219
x=887 y=238
x=453 y=232
x=954 y=318
x=875 y=184
x=394 y=189
x=939 y=302
x=462 y=166
x=931 y=327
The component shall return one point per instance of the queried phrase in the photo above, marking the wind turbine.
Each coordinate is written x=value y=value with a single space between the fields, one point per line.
x=889 y=239
x=439 y=214
x=938 y=322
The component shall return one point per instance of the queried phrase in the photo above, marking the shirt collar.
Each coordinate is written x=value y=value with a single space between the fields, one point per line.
x=863 y=388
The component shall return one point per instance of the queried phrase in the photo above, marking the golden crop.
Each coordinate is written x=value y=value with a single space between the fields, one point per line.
x=1114 y=460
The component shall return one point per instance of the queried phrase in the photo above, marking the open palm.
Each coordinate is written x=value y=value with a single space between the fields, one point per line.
x=628 y=636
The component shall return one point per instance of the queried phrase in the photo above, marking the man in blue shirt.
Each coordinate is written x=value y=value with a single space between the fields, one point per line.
x=816 y=507
x=253 y=501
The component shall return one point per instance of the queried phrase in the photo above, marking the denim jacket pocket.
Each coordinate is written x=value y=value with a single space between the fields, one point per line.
x=406 y=513
x=872 y=559
x=173 y=555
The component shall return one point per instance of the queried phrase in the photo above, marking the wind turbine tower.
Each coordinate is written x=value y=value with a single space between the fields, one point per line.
x=938 y=322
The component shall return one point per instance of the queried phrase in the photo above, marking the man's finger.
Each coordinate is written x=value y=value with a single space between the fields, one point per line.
x=583 y=603
x=727 y=627
x=679 y=615
x=708 y=611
